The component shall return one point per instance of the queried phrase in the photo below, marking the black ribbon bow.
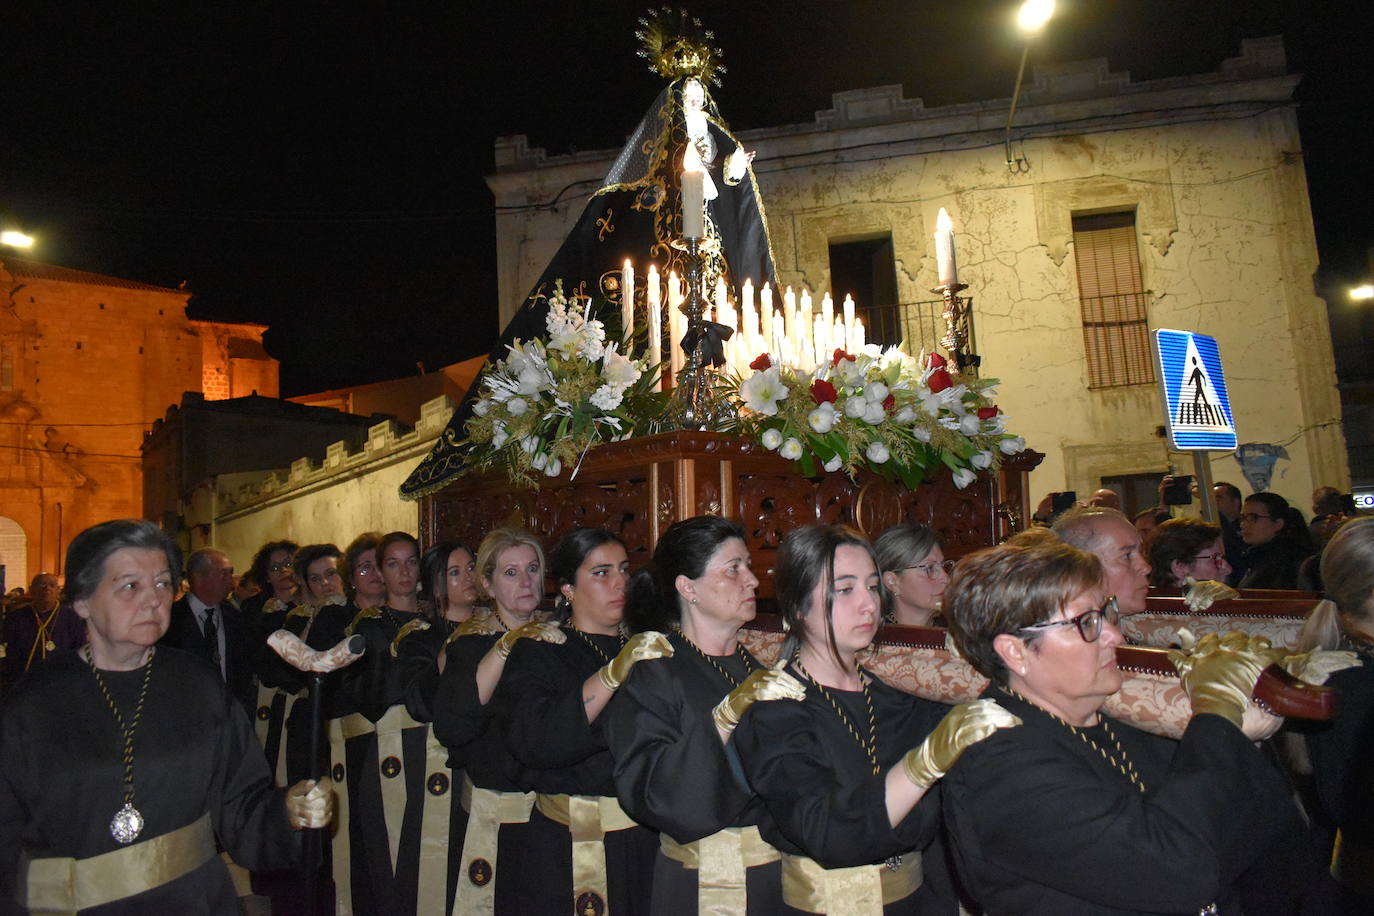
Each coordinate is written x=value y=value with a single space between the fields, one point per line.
x=711 y=336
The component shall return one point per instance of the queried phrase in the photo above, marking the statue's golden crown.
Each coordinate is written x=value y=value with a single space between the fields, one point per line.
x=676 y=45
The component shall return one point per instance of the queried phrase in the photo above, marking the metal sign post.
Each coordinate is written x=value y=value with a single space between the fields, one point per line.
x=1197 y=409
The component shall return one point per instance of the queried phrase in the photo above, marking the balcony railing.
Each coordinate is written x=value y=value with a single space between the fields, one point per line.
x=921 y=324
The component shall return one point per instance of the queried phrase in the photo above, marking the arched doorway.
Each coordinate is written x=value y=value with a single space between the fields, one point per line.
x=14 y=558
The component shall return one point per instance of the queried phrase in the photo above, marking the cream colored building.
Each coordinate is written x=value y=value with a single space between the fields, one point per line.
x=1174 y=203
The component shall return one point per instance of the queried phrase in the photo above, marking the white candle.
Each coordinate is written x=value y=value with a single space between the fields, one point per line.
x=654 y=348
x=676 y=326
x=627 y=301
x=858 y=334
x=944 y=249
x=828 y=308
x=766 y=315
x=746 y=296
x=693 y=195
x=848 y=312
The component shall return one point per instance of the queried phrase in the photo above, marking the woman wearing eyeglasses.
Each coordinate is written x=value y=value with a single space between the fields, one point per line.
x=1276 y=542
x=845 y=771
x=915 y=573
x=1073 y=812
x=1186 y=548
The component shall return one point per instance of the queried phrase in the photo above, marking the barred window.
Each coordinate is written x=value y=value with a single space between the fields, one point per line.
x=1116 y=333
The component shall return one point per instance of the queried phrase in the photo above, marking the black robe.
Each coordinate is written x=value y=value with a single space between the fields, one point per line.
x=564 y=754
x=635 y=214
x=61 y=774
x=673 y=774
x=819 y=785
x=1041 y=824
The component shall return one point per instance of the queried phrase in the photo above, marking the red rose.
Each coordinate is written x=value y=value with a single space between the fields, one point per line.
x=889 y=402
x=763 y=362
x=839 y=355
x=939 y=381
x=987 y=413
x=822 y=391
x=935 y=361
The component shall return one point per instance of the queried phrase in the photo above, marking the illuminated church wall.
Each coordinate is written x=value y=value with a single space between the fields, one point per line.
x=1209 y=165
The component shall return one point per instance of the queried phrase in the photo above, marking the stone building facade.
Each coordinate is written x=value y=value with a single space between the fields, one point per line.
x=87 y=363
x=1126 y=206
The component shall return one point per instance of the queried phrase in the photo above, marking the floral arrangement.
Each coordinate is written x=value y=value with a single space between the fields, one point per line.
x=549 y=401
x=900 y=417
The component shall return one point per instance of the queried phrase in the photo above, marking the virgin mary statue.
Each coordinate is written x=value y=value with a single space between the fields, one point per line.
x=636 y=214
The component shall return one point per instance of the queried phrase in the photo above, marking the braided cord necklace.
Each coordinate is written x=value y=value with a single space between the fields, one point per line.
x=605 y=659
x=749 y=665
x=1124 y=765
x=127 y=822
x=869 y=745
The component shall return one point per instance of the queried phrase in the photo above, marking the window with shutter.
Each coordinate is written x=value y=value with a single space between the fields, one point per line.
x=1116 y=334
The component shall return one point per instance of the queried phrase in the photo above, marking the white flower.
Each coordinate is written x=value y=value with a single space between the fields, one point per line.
x=498 y=434
x=877 y=452
x=481 y=407
x=970 y=425
x=762 y=391
x=1013 y=445
x=854 y=407
x=607 y=397
x=822 y=419
x=791 y=449
x=531 y=380
x=771 y=439
x=920 y=433
x=904 y=416
x=517 y=406
x=833 y=464
x=529 y=444
x=994 y=426
x=847 y=374
x=963 y=477
x=618 y=370
x=540 y=461
x=982 y=460
x=875 y=392
x=553 y=468
x=874 y=413
x=931 y=403
x=591 y=345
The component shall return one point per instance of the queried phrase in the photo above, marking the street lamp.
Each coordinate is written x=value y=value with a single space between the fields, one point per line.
x=16 y=239
x=1030 y=18
x=1362 y=293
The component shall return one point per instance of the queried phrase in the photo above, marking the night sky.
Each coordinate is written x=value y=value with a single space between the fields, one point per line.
x=319 y=167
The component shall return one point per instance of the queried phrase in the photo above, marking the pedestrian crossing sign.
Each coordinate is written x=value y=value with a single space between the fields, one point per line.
x=1197 y=410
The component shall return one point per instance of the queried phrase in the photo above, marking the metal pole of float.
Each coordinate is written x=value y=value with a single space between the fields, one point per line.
x=1202 y=473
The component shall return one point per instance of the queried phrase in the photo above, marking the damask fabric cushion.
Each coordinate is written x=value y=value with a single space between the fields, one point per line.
x=1161 y=630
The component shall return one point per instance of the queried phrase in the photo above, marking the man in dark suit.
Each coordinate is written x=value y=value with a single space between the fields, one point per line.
x=206 y=624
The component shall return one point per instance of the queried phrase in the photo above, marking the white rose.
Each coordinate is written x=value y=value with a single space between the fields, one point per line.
x=771 y=439
x=875 y=392
x=517 y=406
x=1013 y=445
x=553 y=468
x=834 y=464
x=963 y=477
x=970 y=425
x=541 y=461
x=481 y=407
x=529 y=444
x=920 y=433
x=877 y=453
x=874 y=413
x=822 y=419
x=854 y=408
x=904 y=416
x=791 y=449
x=982 y=461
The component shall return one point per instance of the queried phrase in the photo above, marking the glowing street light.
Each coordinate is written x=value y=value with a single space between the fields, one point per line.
x=1030 y=18
x=1362 y=293
x=16 y=239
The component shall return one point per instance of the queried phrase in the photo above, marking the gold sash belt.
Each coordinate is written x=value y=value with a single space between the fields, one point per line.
x=487 y=810
x=588 y=818
x=858 y=891
x=355 y=723
x=720 y=861
x=64 y=886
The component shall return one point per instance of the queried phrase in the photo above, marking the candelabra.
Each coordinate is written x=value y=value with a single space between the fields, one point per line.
x=695 y=407
x=956 y=337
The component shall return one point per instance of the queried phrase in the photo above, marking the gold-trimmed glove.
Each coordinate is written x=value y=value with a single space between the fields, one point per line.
x=1219 y=672
x=1199 y=594
x=1316 y=666
x=961 y=728
x=541 y=630
x=638 y=648
x=487 y=624
x=761 y=684
x=310 y=804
